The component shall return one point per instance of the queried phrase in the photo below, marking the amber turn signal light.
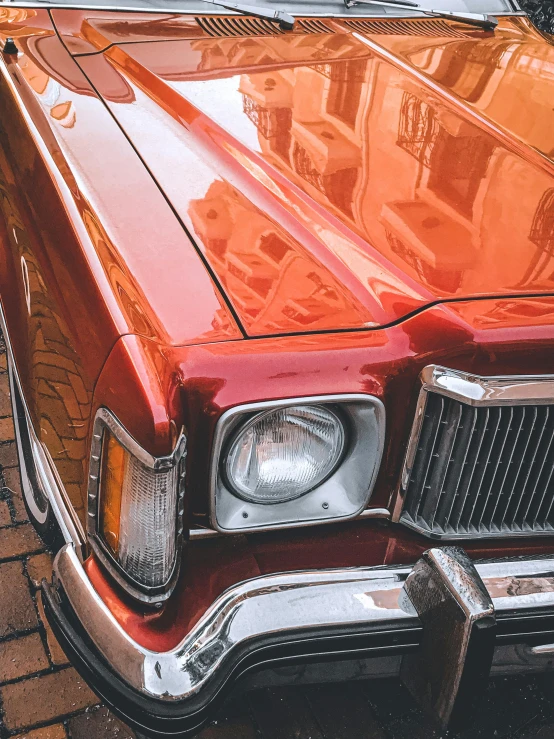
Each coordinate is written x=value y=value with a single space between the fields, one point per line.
x=114 y=464
x=137 y=514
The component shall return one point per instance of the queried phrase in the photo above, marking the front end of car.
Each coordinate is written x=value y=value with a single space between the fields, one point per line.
x=278 y=535
x=281 y=355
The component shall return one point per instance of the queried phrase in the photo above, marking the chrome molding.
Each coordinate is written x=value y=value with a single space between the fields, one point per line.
x=481 y=391
x=276 y=608
x=344 y=495
x=473 y=390
x=103 y=420
x=47 y=474
x=382 y=513
x=205 y=533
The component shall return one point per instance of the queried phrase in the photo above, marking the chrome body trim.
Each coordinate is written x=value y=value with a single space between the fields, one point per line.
x=205 y=533
x=276 y=609
x=105 y=420
x=480 y=391
x=375 y=513
x=341 y=497
x=47 y=474
x=473 y=390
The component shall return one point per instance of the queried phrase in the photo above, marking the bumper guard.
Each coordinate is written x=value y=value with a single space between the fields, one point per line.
x=447 y=620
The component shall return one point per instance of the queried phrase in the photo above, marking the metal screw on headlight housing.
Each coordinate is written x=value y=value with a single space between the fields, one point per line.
x=10 y=47
x=325 y=505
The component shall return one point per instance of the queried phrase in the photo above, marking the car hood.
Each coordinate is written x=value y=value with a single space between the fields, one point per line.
x=347 y=179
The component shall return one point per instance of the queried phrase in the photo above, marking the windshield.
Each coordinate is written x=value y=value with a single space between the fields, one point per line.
x=299 y=8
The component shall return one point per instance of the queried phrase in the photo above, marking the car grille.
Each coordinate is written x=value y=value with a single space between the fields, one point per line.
x=481 y=471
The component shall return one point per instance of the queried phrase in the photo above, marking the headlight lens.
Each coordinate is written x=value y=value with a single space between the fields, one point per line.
x=281 y=454
x=138 y=514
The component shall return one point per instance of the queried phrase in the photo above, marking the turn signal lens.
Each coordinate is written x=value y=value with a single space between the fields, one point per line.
x=281 y=454
x=114 y=463
x=138 y=514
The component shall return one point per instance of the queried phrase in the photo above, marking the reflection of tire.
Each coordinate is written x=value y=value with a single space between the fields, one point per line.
x=541 y=13
x=36 y=502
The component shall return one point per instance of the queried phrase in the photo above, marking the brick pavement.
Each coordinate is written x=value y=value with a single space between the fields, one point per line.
x=42 y=696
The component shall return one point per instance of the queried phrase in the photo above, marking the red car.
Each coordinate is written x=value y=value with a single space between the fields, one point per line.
x=277 y=289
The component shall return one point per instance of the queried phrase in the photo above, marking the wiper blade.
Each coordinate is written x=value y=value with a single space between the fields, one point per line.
x=285 y=21
x=481 y=20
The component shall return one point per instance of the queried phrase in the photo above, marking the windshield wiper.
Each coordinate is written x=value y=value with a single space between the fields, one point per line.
x=285 y=21
x=481 y=20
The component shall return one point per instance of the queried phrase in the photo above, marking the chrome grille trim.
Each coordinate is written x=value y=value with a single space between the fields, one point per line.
x=480 y=460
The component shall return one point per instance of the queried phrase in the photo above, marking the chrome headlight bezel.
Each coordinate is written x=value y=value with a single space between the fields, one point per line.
x=341 y=496
x=105 y=420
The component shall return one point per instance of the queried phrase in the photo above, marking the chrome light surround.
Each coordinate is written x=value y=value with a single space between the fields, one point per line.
x=342 y=496
x=103 y=420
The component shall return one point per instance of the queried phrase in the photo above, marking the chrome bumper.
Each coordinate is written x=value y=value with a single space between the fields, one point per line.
x=304 y=615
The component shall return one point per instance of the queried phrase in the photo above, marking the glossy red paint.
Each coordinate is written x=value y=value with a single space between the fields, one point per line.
x=367 y=204
x=137 y=260
x=336 y=185
x=199 y=383
x=91 y=248
x=195 y=385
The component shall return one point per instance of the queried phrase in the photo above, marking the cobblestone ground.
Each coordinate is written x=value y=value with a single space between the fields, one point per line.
x=42 y=697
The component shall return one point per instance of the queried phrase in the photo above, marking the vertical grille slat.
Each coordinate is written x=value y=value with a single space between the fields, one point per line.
x=540 y=489
x=472 y=467
x=536 y=466
x=491 y=441
x=431 y=424
x=443 y=452
x=516 y=489
x=459 y=453
x=467 y=470
x=482 y=471
x=528 y=462
x=503 y=461
x=548 y=499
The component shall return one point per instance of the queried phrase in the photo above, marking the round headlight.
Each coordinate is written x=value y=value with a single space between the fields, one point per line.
x=283 y=453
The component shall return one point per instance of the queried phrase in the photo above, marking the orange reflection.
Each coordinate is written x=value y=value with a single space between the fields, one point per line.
x=406 y=192
x=269 y=277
